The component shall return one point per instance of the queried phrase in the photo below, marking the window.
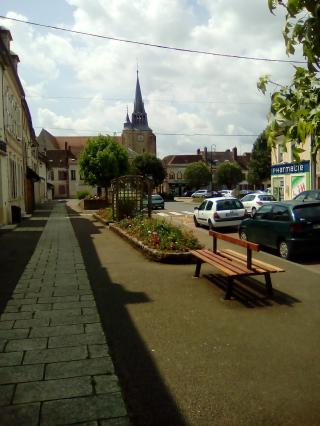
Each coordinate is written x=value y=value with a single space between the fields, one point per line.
x=13 y=178
x=264 y=212
x=51 y=175
x=202 y=205
x=62 y=189
x=179 y=175
x=248 y=198
x=171 y=175
x=280 y=153
x=209 y=205
x=62 y=175
x=280 y=213
x=73 y=175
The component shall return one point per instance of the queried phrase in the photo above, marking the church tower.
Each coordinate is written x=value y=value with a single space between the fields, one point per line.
x=136 y=133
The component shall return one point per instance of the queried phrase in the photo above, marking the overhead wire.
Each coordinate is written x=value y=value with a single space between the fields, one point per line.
x=159 y=46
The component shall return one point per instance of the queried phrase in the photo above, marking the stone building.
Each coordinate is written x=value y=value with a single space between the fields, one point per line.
x=62 y=152
x=19 y=162
x=136 y=133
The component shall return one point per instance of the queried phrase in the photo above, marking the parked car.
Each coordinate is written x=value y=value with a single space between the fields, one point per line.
x=214 y=194
x=291 y=227
x=188 y=193
x=313 y=194
x=253 y=201
x=157 y=202
x=200 y=193
x=219 y=212
x=226 y=192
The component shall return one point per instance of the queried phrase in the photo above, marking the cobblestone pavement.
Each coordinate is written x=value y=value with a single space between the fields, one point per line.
x=54 y=363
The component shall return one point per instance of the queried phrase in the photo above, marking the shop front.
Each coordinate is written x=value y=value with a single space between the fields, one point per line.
x=289 y=179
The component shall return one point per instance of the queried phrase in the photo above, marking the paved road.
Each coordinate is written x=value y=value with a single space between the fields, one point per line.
x=180 y=213
x=186 y=357
x=55 y=367
x=183 y=355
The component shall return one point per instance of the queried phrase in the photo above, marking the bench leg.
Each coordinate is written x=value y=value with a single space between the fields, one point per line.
x=229 y=289
x=198 y=267
x=268 y=284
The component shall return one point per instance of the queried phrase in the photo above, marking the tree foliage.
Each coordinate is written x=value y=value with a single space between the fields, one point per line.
x=260 y=163
x=197 y=175
x=148 y=164
x=302 y=26
x=102 y=160
x=229 y=174
x=295 y=112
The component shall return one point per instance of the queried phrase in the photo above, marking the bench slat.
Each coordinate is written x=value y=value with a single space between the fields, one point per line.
x=220 y=267
x=255 y=262
x=242 y=243
x=226 y=265
x=235 y=266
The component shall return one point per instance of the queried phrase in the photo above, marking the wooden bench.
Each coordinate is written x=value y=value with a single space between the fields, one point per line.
x=234 y=264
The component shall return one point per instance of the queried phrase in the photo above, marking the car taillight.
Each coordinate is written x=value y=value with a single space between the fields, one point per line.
x=216 y=216
x=297 y=227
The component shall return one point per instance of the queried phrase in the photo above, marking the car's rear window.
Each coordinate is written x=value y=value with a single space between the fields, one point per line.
x=308 y=212
x=157 y=197
x=229 y=205
x=266 y=198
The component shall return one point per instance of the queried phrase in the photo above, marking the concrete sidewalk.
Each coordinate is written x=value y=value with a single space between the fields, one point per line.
x=55 y=367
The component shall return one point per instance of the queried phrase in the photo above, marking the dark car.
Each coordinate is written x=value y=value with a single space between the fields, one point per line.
x=312 y=194
x=291 y=227
x=157 y=202
x=188 y=193
x=213 y=194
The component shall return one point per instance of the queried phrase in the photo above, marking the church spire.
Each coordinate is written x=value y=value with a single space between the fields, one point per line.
x=127 y=123
x=139 y=116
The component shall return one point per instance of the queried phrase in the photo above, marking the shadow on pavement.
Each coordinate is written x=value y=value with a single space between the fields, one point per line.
x=252 y=293
x=148 y=400
x=16 y=249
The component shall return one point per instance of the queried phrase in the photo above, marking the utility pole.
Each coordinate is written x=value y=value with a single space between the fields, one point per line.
x=211 y=163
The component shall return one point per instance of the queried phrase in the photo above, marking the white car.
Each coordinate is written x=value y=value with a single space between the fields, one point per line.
x=219 y=213
x=253 y=201
x=226 y=192
x=200 y=193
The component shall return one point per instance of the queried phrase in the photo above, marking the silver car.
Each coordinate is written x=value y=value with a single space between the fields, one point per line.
x=219 y=213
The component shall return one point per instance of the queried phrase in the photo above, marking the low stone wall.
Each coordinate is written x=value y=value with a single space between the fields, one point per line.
x=92 y=204
x=152 y=254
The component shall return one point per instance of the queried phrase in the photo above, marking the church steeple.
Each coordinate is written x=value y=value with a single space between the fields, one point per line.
x=139 y=116
x=127 y=124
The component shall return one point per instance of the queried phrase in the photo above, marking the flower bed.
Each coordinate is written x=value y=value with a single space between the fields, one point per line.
x=157 y=239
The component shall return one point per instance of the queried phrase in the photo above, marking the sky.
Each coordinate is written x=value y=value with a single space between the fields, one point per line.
x=83 y=85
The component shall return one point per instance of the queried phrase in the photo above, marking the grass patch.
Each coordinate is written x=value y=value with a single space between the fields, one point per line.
x=159 y=234
x=106 y=214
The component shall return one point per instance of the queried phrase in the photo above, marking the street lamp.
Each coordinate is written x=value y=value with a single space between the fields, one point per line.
x=211 y=163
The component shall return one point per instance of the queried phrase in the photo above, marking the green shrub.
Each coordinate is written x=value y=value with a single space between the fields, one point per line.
x=82 y=194
x=106 y=214
x=159 y=234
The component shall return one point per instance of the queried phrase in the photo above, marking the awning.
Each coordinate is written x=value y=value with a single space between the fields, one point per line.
x=32 y=175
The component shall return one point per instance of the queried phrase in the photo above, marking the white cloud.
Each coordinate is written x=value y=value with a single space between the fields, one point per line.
x=183 y=92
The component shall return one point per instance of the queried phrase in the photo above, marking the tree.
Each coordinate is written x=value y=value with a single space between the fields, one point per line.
x=260 y=163
x=101 y=160
x=295 y=114
x=197 y=175
x=148 y=164
x=229 y=174
x=302 y=27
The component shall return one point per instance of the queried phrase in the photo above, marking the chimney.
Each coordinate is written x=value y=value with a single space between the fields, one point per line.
x=198 y=151
x=205 y=154
x=234 y=153
x=5 y=37
x=15 y=60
